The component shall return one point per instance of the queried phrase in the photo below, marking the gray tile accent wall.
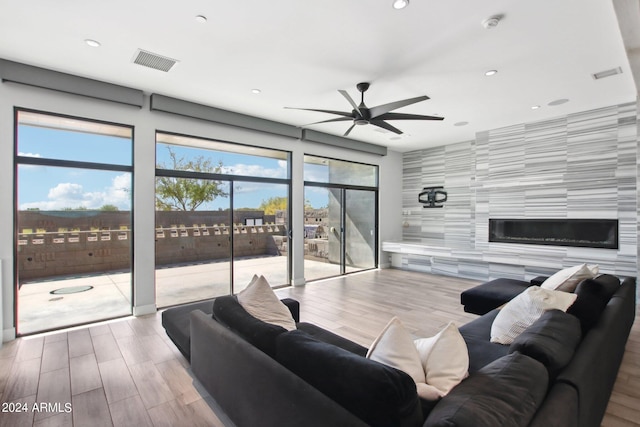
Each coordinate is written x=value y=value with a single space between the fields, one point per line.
x=582 y=165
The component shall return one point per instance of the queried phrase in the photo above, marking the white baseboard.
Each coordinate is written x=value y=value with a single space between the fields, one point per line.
x=144 y=310
x=9 y=334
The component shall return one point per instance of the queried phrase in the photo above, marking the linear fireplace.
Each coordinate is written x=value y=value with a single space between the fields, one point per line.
x=590 y=233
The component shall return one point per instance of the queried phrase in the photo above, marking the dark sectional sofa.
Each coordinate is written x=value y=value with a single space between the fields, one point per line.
x=559 y=372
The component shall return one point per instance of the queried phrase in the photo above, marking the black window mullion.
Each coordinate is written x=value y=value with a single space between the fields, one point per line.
x=39 y=161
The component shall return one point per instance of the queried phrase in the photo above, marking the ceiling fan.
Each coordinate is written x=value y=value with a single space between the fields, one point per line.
x=363 y=115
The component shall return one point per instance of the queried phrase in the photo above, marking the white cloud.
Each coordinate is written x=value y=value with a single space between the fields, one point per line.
x=28 y=154
x=257 y=170
x=66 y=191
x=73 y=195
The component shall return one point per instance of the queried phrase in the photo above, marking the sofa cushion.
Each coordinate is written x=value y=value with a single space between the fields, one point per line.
x=259 y=300
x=477 y=335
x=505 y=393
x=520 y=313
x=378 y=394
x=329 y=337
x=611 y=283
x=228 y=311
x=593 y=296
x=568 y=278
x=551 y=340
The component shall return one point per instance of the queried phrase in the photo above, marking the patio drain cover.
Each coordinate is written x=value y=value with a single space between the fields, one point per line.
x=71 y=290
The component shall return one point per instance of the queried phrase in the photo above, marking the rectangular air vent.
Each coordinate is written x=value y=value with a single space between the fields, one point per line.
x=153 y=60
x=607 y=73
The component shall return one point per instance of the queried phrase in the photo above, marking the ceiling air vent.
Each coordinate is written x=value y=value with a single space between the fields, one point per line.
x=153 y=60
x=607 y=73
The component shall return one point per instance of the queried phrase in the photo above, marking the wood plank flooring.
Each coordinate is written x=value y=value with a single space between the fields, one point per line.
x=128 y=373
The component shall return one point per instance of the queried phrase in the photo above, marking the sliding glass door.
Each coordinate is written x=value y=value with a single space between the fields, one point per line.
x=359 y=223
x=340 y=217
x=222 y=215
x=261 y=226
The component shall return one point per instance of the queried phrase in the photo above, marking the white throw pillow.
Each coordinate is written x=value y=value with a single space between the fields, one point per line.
x=567 y=279
x=394 y=347
x=262 y=303
x=442 y=359
x=520 y=313
x=445 y=360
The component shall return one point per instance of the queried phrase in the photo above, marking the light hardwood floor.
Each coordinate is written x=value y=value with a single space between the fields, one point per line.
x=128 y=373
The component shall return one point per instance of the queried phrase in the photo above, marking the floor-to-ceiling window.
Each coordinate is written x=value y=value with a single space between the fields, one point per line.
x=341 y=217
x=72 y=220
x=222 y=215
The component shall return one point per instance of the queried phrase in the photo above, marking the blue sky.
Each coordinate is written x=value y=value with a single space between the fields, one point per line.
x=52 y=188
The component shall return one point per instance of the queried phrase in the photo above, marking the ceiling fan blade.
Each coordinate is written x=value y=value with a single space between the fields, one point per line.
x=385 y=125
x=351 y=101
x=339 y=113
x=338 y=119
x=349 y=130
x=385 y=108
x=402 y=116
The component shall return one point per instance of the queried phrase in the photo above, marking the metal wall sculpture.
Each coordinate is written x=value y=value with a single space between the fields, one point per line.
x=432 y=197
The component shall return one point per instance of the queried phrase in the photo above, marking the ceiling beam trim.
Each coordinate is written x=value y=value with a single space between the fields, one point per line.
x=337 y=141
x=212 y=114
x=48 y=79
x=204 y=112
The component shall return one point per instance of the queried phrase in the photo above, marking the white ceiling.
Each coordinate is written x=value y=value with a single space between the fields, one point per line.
x=299 y=53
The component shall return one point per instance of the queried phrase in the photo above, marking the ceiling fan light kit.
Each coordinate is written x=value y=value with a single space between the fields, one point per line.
x=377 y=116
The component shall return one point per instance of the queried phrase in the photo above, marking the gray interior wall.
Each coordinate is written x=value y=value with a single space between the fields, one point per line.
x=582 y=165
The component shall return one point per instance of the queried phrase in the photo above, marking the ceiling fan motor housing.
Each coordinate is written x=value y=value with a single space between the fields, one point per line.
x=362 y=87
x=377 y=116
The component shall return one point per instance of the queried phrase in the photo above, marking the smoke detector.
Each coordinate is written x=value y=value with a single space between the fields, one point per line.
x=491 y=22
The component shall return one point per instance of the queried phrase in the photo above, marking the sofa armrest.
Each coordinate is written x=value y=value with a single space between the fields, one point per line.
x=594 y=367
x=251 y=387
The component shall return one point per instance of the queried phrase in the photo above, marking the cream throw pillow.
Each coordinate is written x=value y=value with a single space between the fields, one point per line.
x=445 y=360
x=262 y=303
x=436 y=364
x=520 y=313
x=394 y=347
x=567 y=279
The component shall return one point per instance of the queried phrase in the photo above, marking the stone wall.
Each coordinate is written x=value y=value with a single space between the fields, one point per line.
x=582 y=165
x=83 y=242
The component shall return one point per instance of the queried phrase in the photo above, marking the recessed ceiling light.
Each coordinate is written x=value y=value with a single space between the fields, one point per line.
x=92 y=43
x=558 y=102
x=491 y=73
x=256 y=91
x=491 y=22
x=535 y=107
x=201 y=18
x=400 y=4
x=461 y=123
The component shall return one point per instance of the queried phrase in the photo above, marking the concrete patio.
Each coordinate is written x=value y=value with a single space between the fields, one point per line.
x=110 y=295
